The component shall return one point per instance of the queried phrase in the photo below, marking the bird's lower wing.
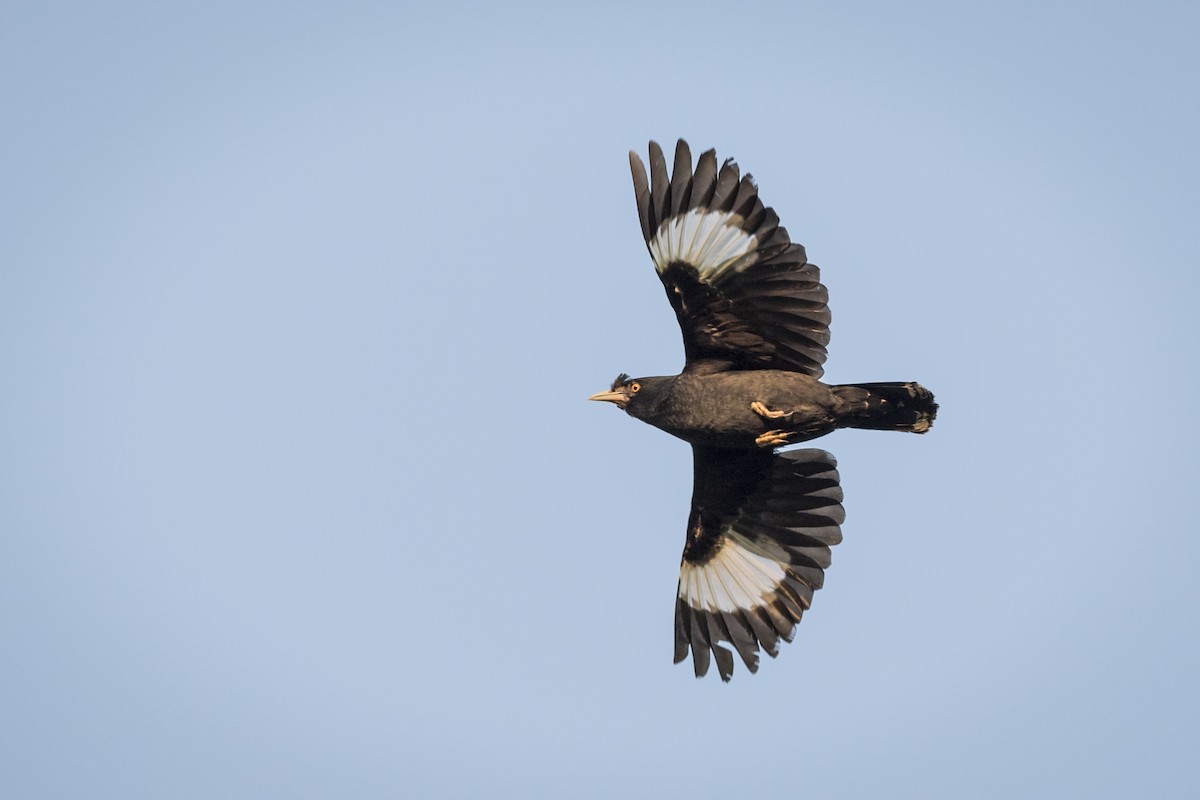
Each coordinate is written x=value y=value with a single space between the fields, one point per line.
x=758 y=541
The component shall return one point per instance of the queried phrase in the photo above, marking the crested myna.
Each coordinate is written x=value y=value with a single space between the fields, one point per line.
x=755 y=325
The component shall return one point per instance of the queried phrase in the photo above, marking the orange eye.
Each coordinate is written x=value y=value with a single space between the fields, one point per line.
x=633 y=387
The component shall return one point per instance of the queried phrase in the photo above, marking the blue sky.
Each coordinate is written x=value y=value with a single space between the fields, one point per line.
x=300 y=495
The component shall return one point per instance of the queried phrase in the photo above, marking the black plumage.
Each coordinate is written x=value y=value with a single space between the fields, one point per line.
x=755 y=325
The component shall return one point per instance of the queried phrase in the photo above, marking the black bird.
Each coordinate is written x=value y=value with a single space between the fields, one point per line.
x=755 y=324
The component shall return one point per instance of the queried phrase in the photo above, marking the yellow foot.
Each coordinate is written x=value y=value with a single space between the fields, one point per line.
x=773 y=438
x=763 y=411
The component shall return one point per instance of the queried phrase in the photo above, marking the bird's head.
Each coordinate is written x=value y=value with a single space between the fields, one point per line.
x=632 y=394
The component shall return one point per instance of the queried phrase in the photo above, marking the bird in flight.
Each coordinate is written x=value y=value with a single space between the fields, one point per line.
x=755 y=324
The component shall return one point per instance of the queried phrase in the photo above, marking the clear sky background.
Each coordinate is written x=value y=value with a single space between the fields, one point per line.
x=300 y=495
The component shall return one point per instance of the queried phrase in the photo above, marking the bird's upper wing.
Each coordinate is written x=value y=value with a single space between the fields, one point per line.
x=757 y=546
x=745 y=295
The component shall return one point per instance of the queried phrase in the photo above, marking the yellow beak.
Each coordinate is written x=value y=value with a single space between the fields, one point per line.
x=612 y=396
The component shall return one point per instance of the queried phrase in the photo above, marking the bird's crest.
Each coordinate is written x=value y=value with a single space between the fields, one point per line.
x=620 y=381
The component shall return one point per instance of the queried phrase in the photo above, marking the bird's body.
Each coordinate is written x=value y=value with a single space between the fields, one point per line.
x=720 y=409
x=755 y=324
x=716 y=409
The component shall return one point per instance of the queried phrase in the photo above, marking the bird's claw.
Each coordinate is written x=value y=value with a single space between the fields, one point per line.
x=761 y=409
x=773 y=438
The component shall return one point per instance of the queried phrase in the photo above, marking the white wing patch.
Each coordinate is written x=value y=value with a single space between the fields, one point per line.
x=735 y=577
x=711 y=241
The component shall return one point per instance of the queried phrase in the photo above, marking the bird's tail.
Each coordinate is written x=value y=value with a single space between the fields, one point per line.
x=886 y=406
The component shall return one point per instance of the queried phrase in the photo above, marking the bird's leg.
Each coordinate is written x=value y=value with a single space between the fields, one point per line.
x=773 y=438
x=761 y=409
x=777 y=437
